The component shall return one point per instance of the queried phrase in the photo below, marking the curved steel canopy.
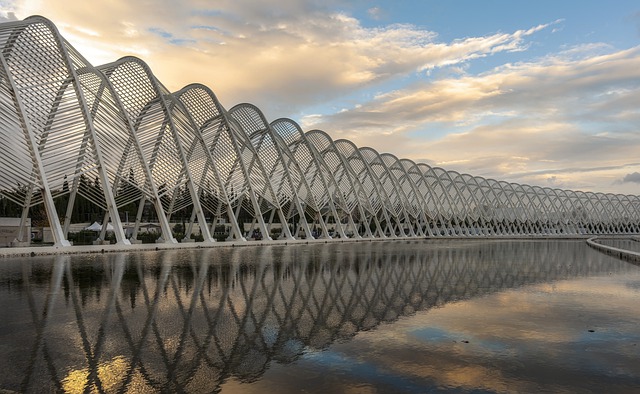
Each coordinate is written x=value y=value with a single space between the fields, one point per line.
x=116 y=136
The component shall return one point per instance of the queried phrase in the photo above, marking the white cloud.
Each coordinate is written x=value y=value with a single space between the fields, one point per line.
x=576 y=109
x=375 y=13
x=281 y=55
x=579 y=106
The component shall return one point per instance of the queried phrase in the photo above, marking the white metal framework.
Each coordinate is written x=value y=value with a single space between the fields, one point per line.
x=113 y=136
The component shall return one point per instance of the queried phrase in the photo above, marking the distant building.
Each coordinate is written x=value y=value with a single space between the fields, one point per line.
x=10 y=231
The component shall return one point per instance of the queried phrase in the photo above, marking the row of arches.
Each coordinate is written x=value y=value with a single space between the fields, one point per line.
x=115 y=136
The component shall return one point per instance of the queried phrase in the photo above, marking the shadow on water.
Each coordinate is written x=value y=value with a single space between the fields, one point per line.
x=190 y=320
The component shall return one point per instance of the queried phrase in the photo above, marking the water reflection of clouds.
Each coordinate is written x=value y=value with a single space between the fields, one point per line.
x=206 y=320
x=507 y=332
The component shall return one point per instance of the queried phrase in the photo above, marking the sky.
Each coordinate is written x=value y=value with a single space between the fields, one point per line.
x=540 y=92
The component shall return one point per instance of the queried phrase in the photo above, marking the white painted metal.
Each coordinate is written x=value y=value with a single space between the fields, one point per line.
x=113 y=135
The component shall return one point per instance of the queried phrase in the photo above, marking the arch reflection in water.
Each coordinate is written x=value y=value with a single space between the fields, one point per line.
x=189 y=320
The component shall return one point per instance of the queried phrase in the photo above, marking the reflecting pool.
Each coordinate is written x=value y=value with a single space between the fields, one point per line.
x=402 y=316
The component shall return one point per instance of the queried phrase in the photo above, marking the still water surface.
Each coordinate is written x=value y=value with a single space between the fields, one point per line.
x=417 y=316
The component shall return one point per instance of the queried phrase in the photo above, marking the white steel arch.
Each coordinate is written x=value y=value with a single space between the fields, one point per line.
x=222 y=194
x=350 y=191
x=314 y=173
x=164 y=133
x=275 y=160
x=128 y=171
x=75 y=137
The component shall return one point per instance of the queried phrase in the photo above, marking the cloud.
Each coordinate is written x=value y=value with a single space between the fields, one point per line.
x=549 y=86
x=522 y=122
x=375 y=13
x=7 y=16
x=634 y=177
x=281 y=55
x=577 y=108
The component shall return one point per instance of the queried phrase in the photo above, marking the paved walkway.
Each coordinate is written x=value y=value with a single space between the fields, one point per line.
x=84 y=249
x=113 y=248
x=623 y=254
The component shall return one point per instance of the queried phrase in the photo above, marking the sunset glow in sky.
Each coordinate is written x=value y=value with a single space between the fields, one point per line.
x=539 y=92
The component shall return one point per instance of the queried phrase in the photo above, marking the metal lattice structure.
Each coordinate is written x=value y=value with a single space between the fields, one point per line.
x=115 y=137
